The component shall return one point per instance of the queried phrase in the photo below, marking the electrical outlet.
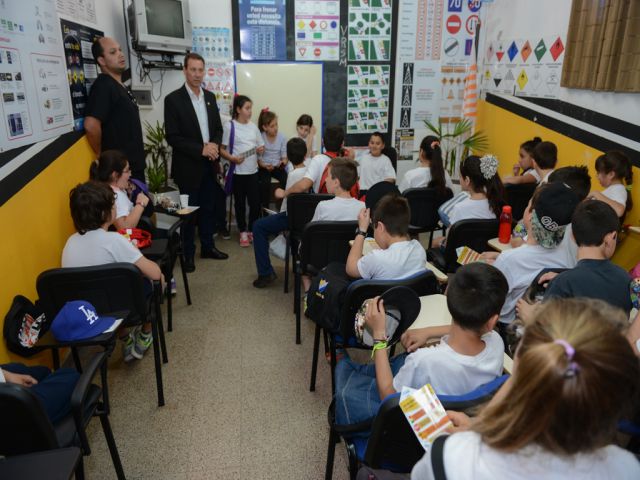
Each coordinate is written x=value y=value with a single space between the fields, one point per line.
x=143 y=98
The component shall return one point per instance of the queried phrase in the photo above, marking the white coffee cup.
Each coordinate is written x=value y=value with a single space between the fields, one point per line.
x=184 y=201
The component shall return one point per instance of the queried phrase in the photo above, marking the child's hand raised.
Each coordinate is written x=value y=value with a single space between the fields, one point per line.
x=376 y=318
x=364 y=219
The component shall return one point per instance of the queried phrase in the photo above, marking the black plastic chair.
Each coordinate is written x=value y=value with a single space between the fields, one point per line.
x=300 y=210
x=377 y=192
x=26 y=427
x=466 y=233
x=391 y=152
x=423 y=283
x=392 y=445
x=518 y=196
x=322 y=243
x=114 y=287
x=424 y=204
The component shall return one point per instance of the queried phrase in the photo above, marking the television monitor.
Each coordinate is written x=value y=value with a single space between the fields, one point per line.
x=160 y=25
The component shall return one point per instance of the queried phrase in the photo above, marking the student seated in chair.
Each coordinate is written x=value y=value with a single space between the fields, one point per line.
x=595 y=229
x=93 y=211
x=469 y=356
x=398 y=256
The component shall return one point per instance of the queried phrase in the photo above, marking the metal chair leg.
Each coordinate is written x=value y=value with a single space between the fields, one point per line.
x=331 y=451
x=80 y=469
x=76 y=359
x=286 y=266
x=296 y=306
x=163 y=344
x=332 y=343
x=185 y=279
x=111 y=443
x=157 y=363
x=314 y=361
x=169 y=310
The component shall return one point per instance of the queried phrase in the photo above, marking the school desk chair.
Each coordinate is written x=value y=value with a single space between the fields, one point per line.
x=423 y=283
x=466 y=233
x=110 y=288
x=391 y=443
x=518 y=196
x=26 y=428
x=300 y=210
x=322 y=244
x=424 y=204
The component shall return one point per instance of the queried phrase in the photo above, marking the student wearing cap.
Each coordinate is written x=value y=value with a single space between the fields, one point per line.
x=470 y=353
x=546 y=219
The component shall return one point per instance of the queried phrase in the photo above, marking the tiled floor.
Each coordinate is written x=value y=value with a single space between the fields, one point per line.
x=238 y=404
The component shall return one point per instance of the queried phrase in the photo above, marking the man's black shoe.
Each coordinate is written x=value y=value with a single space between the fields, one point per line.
x=214 y=253
x=264 y=280
x=189 y=265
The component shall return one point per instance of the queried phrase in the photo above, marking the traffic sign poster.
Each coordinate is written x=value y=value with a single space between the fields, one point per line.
x=317 y=30
x=82 y=69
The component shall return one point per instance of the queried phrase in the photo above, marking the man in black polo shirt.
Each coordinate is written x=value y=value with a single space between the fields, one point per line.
x=112 y=120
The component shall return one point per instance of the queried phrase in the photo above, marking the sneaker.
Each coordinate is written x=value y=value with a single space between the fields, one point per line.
x=174 y=287
x=224 y=233
x=264 y=280
x=250 y=234
x=142 y=344
x=244 y=239
x=128 y=347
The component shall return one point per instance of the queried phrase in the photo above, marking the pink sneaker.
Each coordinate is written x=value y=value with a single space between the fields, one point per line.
x=244 y=239
x=250 y=234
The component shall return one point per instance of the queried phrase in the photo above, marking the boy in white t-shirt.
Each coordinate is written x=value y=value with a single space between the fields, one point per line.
x=398 y=256
x=545 y=218
x=343 y=174
x=470 y=355
x=374 y=166
x=93 y=211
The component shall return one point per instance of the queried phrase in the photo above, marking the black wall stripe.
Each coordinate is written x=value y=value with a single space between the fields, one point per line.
x=16 y=180
x=564 y=128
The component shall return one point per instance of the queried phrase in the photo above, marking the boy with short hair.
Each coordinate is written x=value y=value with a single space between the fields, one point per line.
x=274 y=224
x=342 y=176
x=595 y=228
x=545 y=157
x=399 y=256
x=470 y=355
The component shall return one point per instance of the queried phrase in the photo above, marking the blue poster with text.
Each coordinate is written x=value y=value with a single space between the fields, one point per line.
x=263 y=34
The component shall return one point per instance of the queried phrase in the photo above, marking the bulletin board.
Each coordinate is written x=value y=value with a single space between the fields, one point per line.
x=288 y=89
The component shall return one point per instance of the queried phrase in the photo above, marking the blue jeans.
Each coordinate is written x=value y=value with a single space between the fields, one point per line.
x=54 y=389
x=357 y=397
x=262 y=228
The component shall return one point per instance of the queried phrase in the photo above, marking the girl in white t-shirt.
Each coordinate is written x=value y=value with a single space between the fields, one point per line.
x=556 y=417
x=616 y=176
x=479 y=177
x=374 y=166
x=307 y=132
x=431 y=172
x=523 y=171
x=247 y=145
x=112 y=168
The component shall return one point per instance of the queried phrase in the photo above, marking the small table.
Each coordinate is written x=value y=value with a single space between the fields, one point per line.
x=58 y=464
x=499 y=247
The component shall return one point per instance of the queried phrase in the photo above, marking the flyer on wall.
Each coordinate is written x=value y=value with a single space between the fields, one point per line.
x=82 y=69
x=369 y=30
x=263 y=33
x=317 y=30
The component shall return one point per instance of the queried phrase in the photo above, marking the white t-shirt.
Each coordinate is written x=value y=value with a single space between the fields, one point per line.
x=292 y=178
x=338 y=209
x=98 y=247
x=545 y=179
x=246 y=137
x=534 y=173
x=123 y=204
x=471 y=209
x=617 y=193
x=449 y=372
x=419 y=178
x=372 y=170
x=520 y=266
x=400 y=260
x=315 y=169
x=570 y=247
x=466 y=457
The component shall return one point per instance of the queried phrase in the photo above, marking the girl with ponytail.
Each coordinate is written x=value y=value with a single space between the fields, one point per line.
x=575 y=377
x=523 y=171
x=431 y=172
x=616 y=176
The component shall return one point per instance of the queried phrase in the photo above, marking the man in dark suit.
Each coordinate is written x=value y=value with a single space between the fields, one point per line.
x=194 y=131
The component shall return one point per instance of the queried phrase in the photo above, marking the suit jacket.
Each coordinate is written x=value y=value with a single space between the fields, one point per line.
x=183 y=134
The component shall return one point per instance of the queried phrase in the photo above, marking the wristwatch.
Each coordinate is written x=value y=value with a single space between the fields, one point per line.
x=360 y=232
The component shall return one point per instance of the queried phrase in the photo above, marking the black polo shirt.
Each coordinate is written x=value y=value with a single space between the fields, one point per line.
x=114 y=105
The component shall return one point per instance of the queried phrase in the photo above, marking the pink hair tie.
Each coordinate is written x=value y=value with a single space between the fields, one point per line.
x=434 y=144
x=573 y=368
x=264 y=110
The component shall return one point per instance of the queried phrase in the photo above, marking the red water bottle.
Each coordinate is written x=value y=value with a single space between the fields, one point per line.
x=504 y=233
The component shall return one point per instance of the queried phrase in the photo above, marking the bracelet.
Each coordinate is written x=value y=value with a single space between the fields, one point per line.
x=378 y=346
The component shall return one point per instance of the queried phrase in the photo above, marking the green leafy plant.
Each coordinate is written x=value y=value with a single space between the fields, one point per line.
x=457 y=141
x=156 y=151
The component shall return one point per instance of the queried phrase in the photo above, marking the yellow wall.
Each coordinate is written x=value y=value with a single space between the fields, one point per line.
x=35 y=225
x=506 y=131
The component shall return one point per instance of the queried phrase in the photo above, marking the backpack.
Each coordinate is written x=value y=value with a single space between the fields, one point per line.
x=24 y=325
x=326 y=296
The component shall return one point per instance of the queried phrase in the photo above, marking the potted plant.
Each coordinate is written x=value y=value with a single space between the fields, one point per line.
x=457 y=140
x=157 y=153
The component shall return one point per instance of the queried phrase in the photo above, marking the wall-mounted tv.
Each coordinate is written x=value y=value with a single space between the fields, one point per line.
x=160 y=25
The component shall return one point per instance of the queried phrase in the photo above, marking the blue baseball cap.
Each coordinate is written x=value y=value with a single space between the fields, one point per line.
x=78 y=320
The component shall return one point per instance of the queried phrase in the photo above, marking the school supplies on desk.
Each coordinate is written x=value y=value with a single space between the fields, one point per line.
x=467 y=255
x=425 y=413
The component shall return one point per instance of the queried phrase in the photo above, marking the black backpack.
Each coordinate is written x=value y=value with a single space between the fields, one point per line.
x=326 y=296
x=24 y=325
